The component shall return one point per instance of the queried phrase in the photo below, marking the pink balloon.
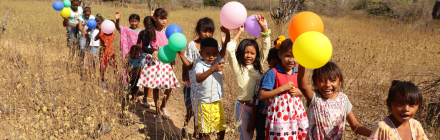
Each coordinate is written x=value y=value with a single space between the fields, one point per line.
x=108 y=27
x=233 y=15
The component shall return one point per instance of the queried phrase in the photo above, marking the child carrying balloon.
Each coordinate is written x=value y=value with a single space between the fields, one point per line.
x=107 y=54
x=85 y=34
x=246 y=63
x=205 y=28
x=155 y=74
x=129 y=36
x=71 y=23
x=404 y=99
x=328 y=109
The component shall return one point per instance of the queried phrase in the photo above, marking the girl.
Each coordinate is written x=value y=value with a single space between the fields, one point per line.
x=134 y=68
x=71 y=23
x=106 y=54
x=205 y=28
x=129 y=36
x=247 y=69
x=286 y=117
x=404 y=99
x=155 y=74
x=83 y=29
x=144 y=38
x=94 y=44
x=328 y=109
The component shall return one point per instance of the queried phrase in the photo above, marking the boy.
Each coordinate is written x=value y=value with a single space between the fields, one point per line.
x=211 y=116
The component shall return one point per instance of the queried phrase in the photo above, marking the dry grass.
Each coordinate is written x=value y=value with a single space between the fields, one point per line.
x=46 y=94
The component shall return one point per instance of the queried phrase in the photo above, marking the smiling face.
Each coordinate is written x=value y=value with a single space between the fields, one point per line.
x=287 y=59
x=401 y=110
x=134 y=23
x=249 y=55
x=328 y=88
x=74 y=6
x=209 y=54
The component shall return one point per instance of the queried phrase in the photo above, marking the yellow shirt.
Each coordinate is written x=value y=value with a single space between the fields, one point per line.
x=246 y=77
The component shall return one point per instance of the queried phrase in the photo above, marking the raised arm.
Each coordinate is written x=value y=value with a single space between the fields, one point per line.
x=302 y=84
x=264 y=51
x=200 y=77
x=356 y=126
x=240 y=31
x=230 y=52
x=227 y=39
x=118 y=16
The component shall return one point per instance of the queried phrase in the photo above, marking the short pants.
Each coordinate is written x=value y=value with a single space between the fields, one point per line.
x=187 y=95
x=211 y=115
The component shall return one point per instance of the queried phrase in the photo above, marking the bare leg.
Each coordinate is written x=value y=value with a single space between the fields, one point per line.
x=156 y=98
x=221 y=135
x=165 y=99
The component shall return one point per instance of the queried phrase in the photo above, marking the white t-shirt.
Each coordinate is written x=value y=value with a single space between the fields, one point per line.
x=94 y=33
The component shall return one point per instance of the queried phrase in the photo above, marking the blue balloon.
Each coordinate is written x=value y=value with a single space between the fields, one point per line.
x=91 y=23
x=58 y=5
x=173 y=28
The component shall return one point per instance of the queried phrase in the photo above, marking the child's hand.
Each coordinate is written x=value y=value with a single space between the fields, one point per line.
x=261 y=21
x=288 y=86
x=250 y=127
x=241 y=28
x=155 y=55
x=224 y=30
x=295 y=92
x=218 y=67
x=118 y=16
x=84 y=33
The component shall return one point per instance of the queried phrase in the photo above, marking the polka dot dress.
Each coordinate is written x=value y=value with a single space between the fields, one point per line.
x=157 y=75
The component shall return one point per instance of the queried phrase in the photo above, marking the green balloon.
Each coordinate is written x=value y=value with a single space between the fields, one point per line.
x=67 y=3
x=166 y=54
x=177 y=41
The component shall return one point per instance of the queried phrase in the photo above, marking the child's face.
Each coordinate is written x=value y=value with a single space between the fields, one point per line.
x=287 y=59
x=87 y=15
x=249 y=55
x=209 y=54
x=402 y=110
x=328 y=88
x=205 y=34
x=273 y=63
x=161 y=21
x=75 y=5
x=98 y=24
x=134 y=23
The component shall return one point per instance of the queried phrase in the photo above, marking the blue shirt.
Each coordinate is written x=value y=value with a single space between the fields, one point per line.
x=211 y=89
x=268 y=81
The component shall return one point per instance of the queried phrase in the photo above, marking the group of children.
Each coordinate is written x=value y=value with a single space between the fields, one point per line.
x=268 y=102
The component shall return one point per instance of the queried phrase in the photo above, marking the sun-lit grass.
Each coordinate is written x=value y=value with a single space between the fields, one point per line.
x=45 y=93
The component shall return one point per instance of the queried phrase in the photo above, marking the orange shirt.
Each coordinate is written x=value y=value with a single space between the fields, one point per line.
x=107 y=42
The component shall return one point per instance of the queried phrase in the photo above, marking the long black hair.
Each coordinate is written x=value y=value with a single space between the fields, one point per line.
x=150 y=31
x=134 y=16
x=240 y=53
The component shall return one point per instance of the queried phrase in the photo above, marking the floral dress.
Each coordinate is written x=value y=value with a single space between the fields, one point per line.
x=328 y=116
x=385 y=130
x=128 y=38
x=155 y=74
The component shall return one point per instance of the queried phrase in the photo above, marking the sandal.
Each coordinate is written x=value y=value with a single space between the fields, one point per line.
x=151 y=103
x=165 y=112
x=159 y=118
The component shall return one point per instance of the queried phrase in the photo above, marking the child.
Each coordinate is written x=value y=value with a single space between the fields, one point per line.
x=71 y=23
x=247 y=68
x=205 y=28
x=211 y=116
x=107 y=54
x=83 y=29
x=286 y=117
x=94 y=44
x=144 y=38
x=155 y=74
x=328 y=109
x=129 y=36
x=259 y=107
x=404 y=99
x=134 y=69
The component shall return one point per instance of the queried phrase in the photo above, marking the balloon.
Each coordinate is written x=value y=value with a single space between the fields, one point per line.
x=177 y=42
x=58 y=5
x=233 y=15
x=312 y=49
x=91 y=23
x=108 y=27
x=173 y=28
x=304 y=22
x=67 y=3
x=252 y=27
x=166 y=55
x=65 y=12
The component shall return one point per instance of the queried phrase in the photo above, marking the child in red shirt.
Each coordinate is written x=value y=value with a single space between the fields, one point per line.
x=107 y=54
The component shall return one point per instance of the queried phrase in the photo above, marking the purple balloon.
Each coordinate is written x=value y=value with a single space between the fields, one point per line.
x=252 y=27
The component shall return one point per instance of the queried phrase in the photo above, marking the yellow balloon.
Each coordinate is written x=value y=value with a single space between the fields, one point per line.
x=312 y=49
x=65 y=12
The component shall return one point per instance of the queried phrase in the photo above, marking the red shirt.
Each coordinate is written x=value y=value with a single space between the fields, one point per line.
x=107 y=42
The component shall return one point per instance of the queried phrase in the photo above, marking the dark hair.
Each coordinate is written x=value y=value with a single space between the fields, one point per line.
x=98 y=17
x=328 y=71
x=273 y=54
x=150 y=31
x=208 y=42
x=206 y=24
x=159 y=13
x=286 y=45
x=87 y=9
x=240 y=53
x=135 y=49
x=134 y=16
x=407 y=90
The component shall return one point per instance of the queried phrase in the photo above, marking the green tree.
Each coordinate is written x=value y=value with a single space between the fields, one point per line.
x=212 y=2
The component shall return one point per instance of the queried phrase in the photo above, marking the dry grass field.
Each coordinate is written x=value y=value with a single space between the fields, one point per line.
x=46 y=94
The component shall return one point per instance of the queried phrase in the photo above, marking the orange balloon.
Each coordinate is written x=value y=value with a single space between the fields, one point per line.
x=304 y=22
